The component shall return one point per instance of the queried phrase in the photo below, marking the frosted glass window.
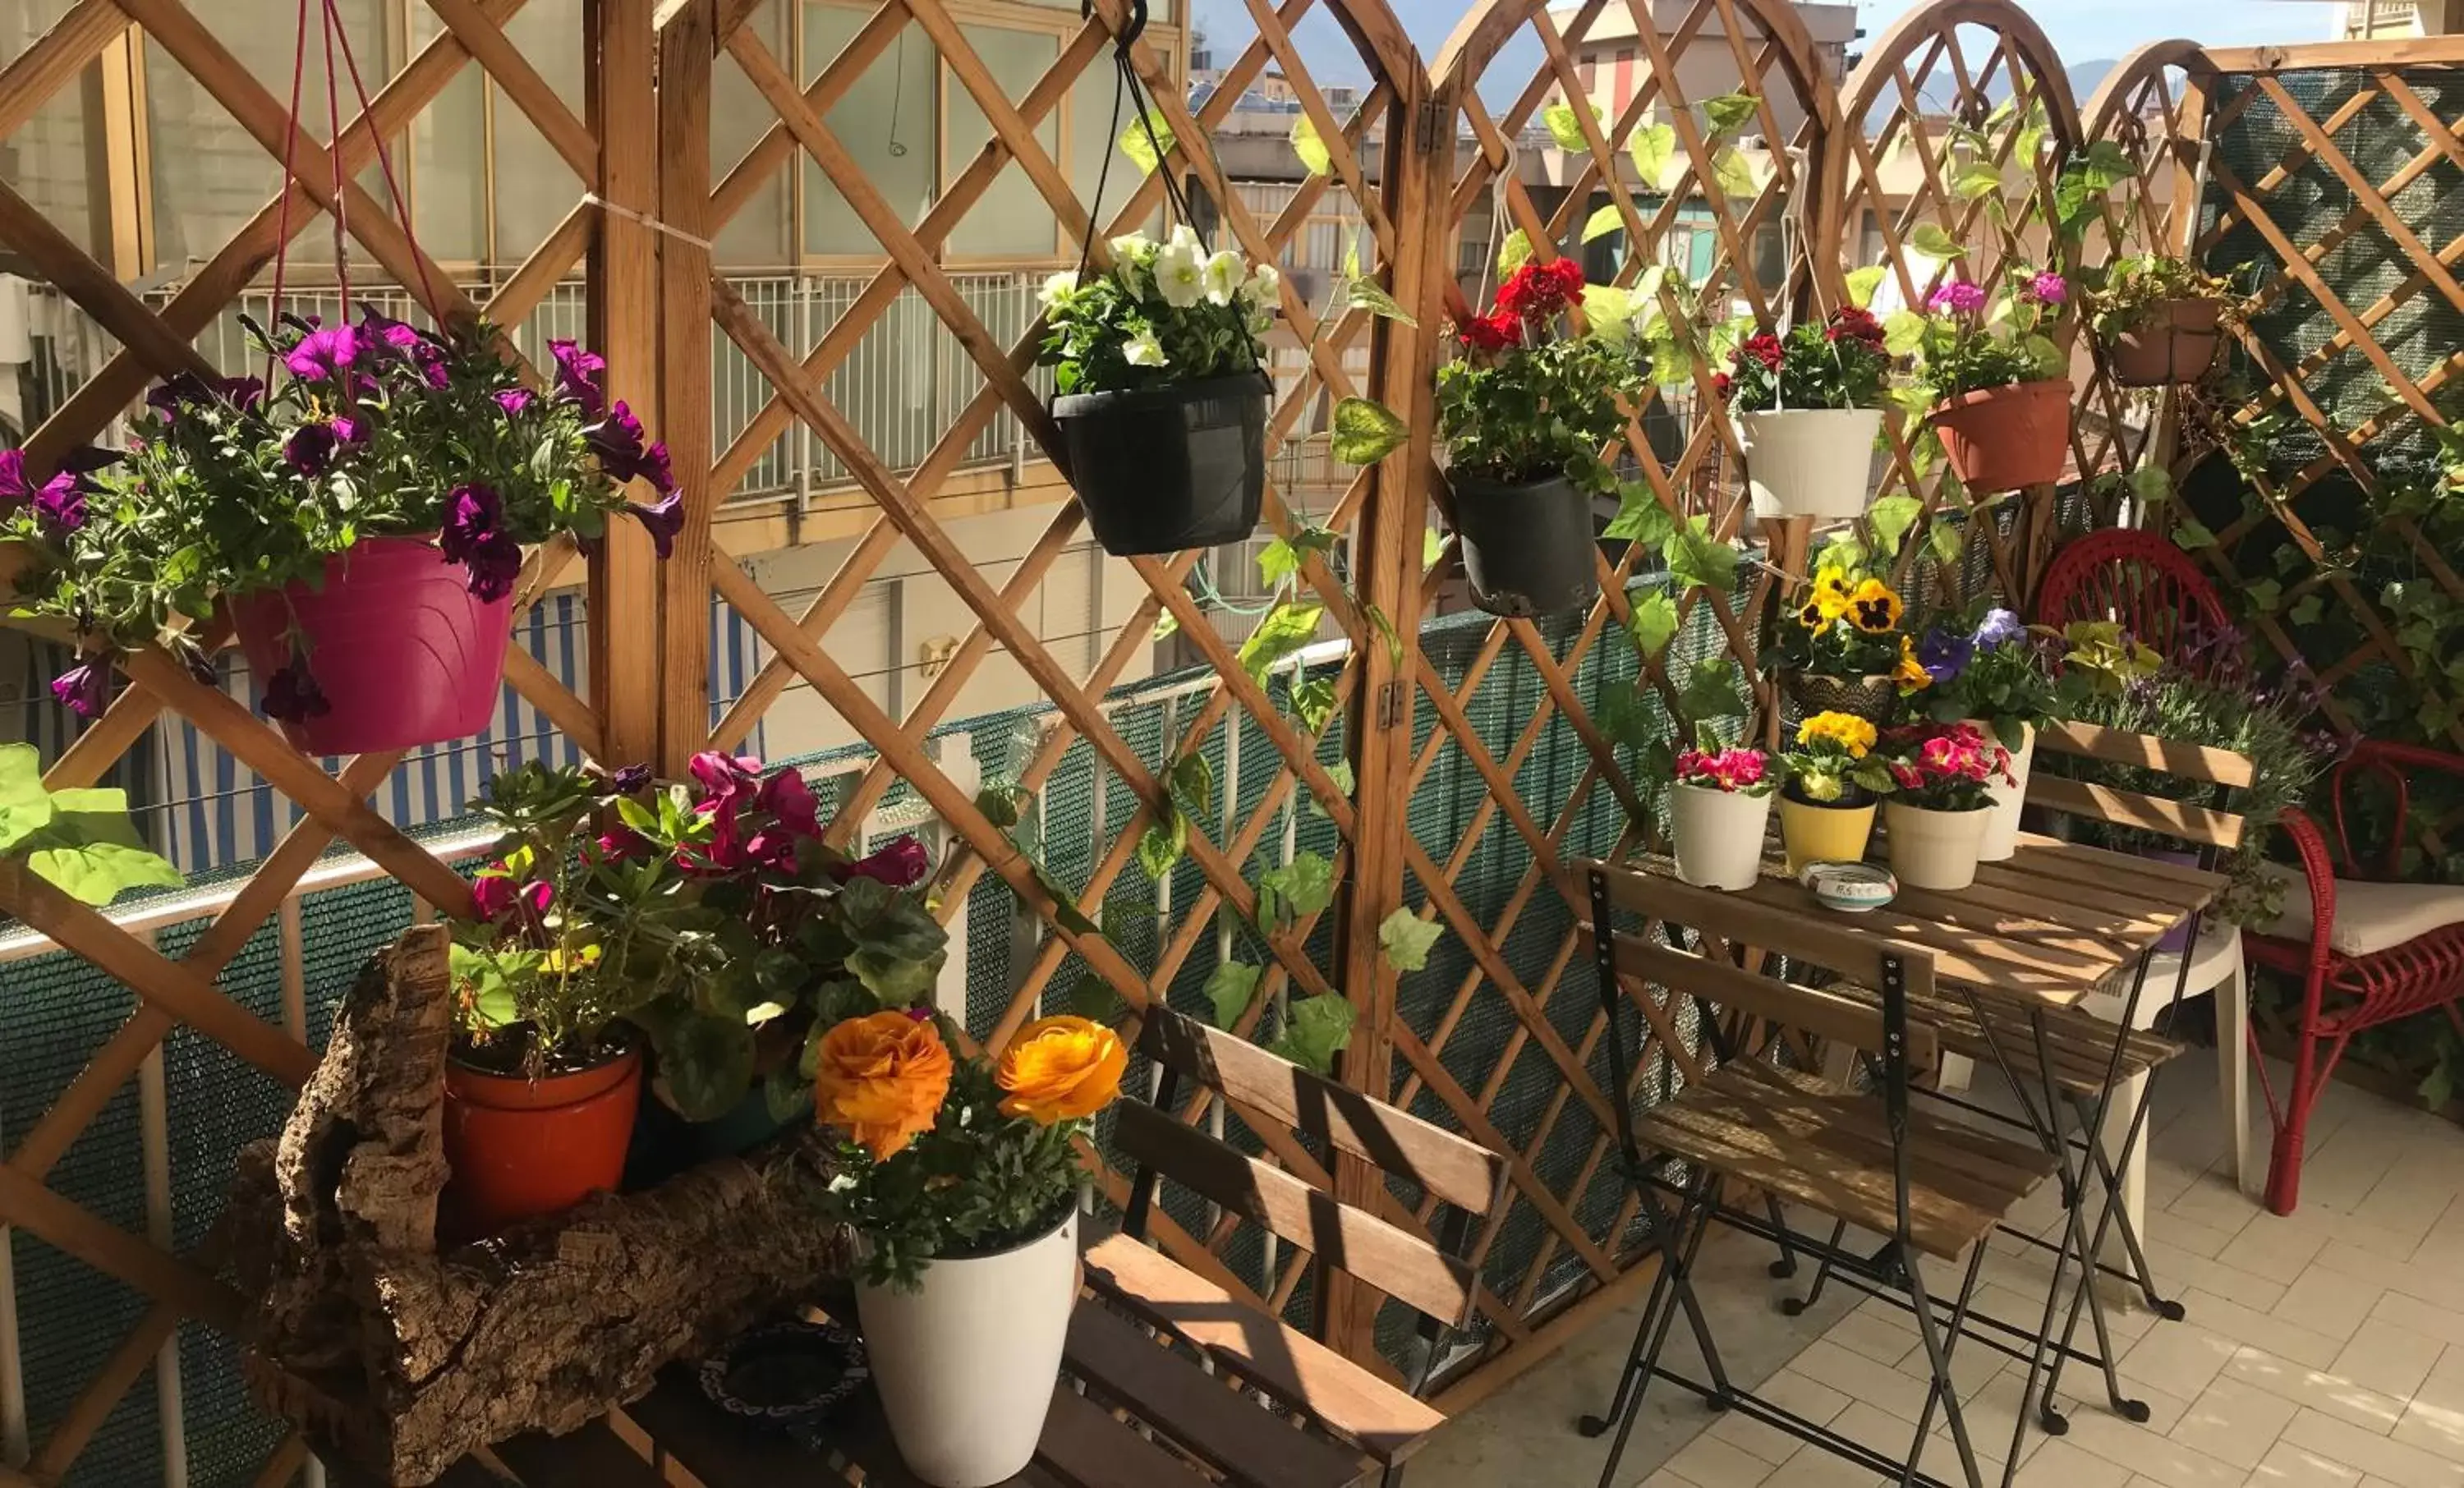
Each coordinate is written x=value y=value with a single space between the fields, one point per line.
x=884 y=122
x=535 y=187
x=756 y=237
x=1011 y=219
x=448 y=169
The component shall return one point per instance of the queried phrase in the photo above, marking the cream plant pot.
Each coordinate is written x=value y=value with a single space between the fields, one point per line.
x=1811 y=462
x=1717 y=835
x=2002 y=820
x=1934 y=849
x=966 y=1366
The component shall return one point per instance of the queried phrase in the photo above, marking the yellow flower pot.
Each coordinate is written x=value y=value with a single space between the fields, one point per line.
x=1823 y=834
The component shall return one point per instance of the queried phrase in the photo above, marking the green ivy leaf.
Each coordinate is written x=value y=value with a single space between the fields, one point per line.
x=1733 y=173
x=1902 y=332
x=2152 y=484
x=1622 y=716
x=1300 y=888
x=1514 y=252
x=2305 y=610
x=2191 y=534
x=1942 y=541
x=1146 y=140
x=25 y=807
x=1193 y=785
x=1433 y=547
x=1000 y=804
x=1313 y=150
x=1230 y=987
x=1654 y=148
x=1366 y=432
x=1340 y=773
x=1978 y=178
x=1654 y=622
x=1166 y=624
x=1603 y=222
x=1316 y=1030
x=1711 y=690
x=1932 y=240
x=96 y=873
x=1163 y=844
x=1697 y=558
x=1863 y=283
x=1092 y=997
x=1404 y=940
x=1728 y=113
x=1639 y=515
x=2263 y=594
x=1890 y=519
x=1566 y=126
x=1287 y=629
x=1366 y=294
x=1313 y=703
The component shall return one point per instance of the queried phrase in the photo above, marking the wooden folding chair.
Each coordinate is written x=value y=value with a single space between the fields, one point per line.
x=1929 y=1185
x=1352 y=1402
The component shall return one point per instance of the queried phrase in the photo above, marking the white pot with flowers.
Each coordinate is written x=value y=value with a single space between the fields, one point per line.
x=1160 y=400
x=1945 y=773
x=959 y=1176
x=1993 y=673
x=1809 y=404
x=1719 y=810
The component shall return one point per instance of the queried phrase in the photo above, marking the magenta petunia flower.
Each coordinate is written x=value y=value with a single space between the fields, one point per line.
x=514 y=401
x=84 y=689
x=324 y=353
x=901 y=863
x=577 y=375
x=292 y=696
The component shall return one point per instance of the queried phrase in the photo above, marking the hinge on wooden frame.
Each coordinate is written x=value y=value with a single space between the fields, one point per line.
x=1390 y=704
x=1429 y=127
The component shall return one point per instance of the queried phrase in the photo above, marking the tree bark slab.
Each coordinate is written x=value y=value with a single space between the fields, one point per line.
x=400 y=1359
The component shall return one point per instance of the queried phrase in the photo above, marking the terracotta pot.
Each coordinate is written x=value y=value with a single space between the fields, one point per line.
x=2004 y=438
x=521 y=1148
x=2173 y=341
x=404 y=654
x=1871 y=698
x=1814 y=832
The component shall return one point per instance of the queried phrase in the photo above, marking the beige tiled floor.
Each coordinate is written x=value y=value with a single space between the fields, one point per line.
x=2321 y=1350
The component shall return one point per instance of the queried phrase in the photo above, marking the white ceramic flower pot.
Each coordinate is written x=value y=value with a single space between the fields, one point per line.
x=1811 y=462
x=2002 y=823
x=1717 y=835
x=1934 y=849
x=966 y=1366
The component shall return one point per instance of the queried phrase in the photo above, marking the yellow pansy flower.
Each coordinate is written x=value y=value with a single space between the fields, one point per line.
x=1873 y=607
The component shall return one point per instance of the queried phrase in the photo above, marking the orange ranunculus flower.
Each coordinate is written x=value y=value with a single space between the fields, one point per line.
x=881 y=1079
x=1061 y=1068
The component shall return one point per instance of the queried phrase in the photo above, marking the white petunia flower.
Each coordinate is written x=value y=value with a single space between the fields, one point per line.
x=1143 y=350
x=1180 y=274
x=1131 y=254
x=1184 y=236
x=1265 y=288
x=1135 y=247
x=1224 y=275
x=1058 y=287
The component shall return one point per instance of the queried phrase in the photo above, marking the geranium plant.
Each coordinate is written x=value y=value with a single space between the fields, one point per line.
x=944 y=1156
x=710 y=917
x=1528 y=400
x=2122 y=295
x=1994 y=669
x=1972 y=338
x=1165 y=312
x=375 y=428
x=1834 y=763
x=1945 y=766
x=1847 y=626
x=1839 y=363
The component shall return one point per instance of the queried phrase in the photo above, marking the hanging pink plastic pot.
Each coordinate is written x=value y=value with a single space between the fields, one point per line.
x=402 y=651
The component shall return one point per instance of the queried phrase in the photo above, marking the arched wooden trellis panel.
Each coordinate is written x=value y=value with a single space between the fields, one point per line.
x=1956 y=92
x=607 y=148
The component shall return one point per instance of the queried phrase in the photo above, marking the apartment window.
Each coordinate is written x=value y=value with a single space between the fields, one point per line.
x=885 y=122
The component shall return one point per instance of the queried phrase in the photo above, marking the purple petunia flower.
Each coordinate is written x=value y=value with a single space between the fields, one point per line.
x=60 y=502
x=1944 y=655
x=513 y=400
x=60 y=505
x=2048 y=288
x=496 y=566
x=662 y=519
x=292 y=696
x=84 y=689
x=1999 y=628
x=617 y=442
x=900 y=864
x=326 y=353
x=392 y=334
x=312 y=446
x=430 y=359
x=578 y=376
x=1959 y=297
x=474 y=535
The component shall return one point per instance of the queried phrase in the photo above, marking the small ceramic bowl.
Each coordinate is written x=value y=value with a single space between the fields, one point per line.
x=786 y=1374
x=1850 y=888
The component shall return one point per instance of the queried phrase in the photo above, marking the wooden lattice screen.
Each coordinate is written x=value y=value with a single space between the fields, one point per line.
x=1432 y=160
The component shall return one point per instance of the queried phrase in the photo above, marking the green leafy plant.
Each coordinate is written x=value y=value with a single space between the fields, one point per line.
x=1165 y=314
x=77 y=840
x=1527 y=400
x=377 y=429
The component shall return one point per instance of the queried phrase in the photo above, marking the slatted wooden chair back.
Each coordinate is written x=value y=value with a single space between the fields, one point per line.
x=1264 y=1087
x=1732 y=934
x=2198 y=827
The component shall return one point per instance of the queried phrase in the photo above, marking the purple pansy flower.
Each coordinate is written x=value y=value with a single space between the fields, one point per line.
x=84 y=689
x=1959 y=297
x=1944 y=655
x=662 y=519
x=292 y=696
x=2048 y=288
x=326 y=353
x=900 y=864
x=513 y=400
x=632 y=780
x=577 y=375
x=1999 y=628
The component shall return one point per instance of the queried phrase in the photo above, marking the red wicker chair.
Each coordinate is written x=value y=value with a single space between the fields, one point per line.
x=2368 y=949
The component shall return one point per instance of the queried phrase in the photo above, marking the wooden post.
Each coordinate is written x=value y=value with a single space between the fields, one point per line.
x=1417 y=178
x=686 y=38
x=624 y=328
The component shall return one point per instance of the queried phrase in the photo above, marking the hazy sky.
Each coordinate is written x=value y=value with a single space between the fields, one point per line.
x=2085 y=29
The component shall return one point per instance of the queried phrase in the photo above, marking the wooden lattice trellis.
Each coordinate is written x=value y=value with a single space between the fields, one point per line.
x=1431 y=168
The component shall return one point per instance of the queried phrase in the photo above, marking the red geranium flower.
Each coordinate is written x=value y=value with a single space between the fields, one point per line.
x=1490 y=333
x=1763 y=348
x=1854 y=325
x=1537 y=290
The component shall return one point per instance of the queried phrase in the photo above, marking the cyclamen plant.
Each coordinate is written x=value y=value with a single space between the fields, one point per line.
x=1946 y=767
x=1166 y=313
x=1528 y=400
x=380 y=429
x=710 y=917
x=1840 y=364
x=1970 y=338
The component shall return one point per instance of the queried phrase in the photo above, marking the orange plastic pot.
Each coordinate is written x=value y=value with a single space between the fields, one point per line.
x=2175 y=340
x=521 y=1148
x=2004 y=438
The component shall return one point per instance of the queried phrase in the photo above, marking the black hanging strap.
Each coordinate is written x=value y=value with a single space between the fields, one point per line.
x=1126 y=85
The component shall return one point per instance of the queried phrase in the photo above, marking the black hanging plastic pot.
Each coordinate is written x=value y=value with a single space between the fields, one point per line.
x=1164 y=468
x=1528 y=549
